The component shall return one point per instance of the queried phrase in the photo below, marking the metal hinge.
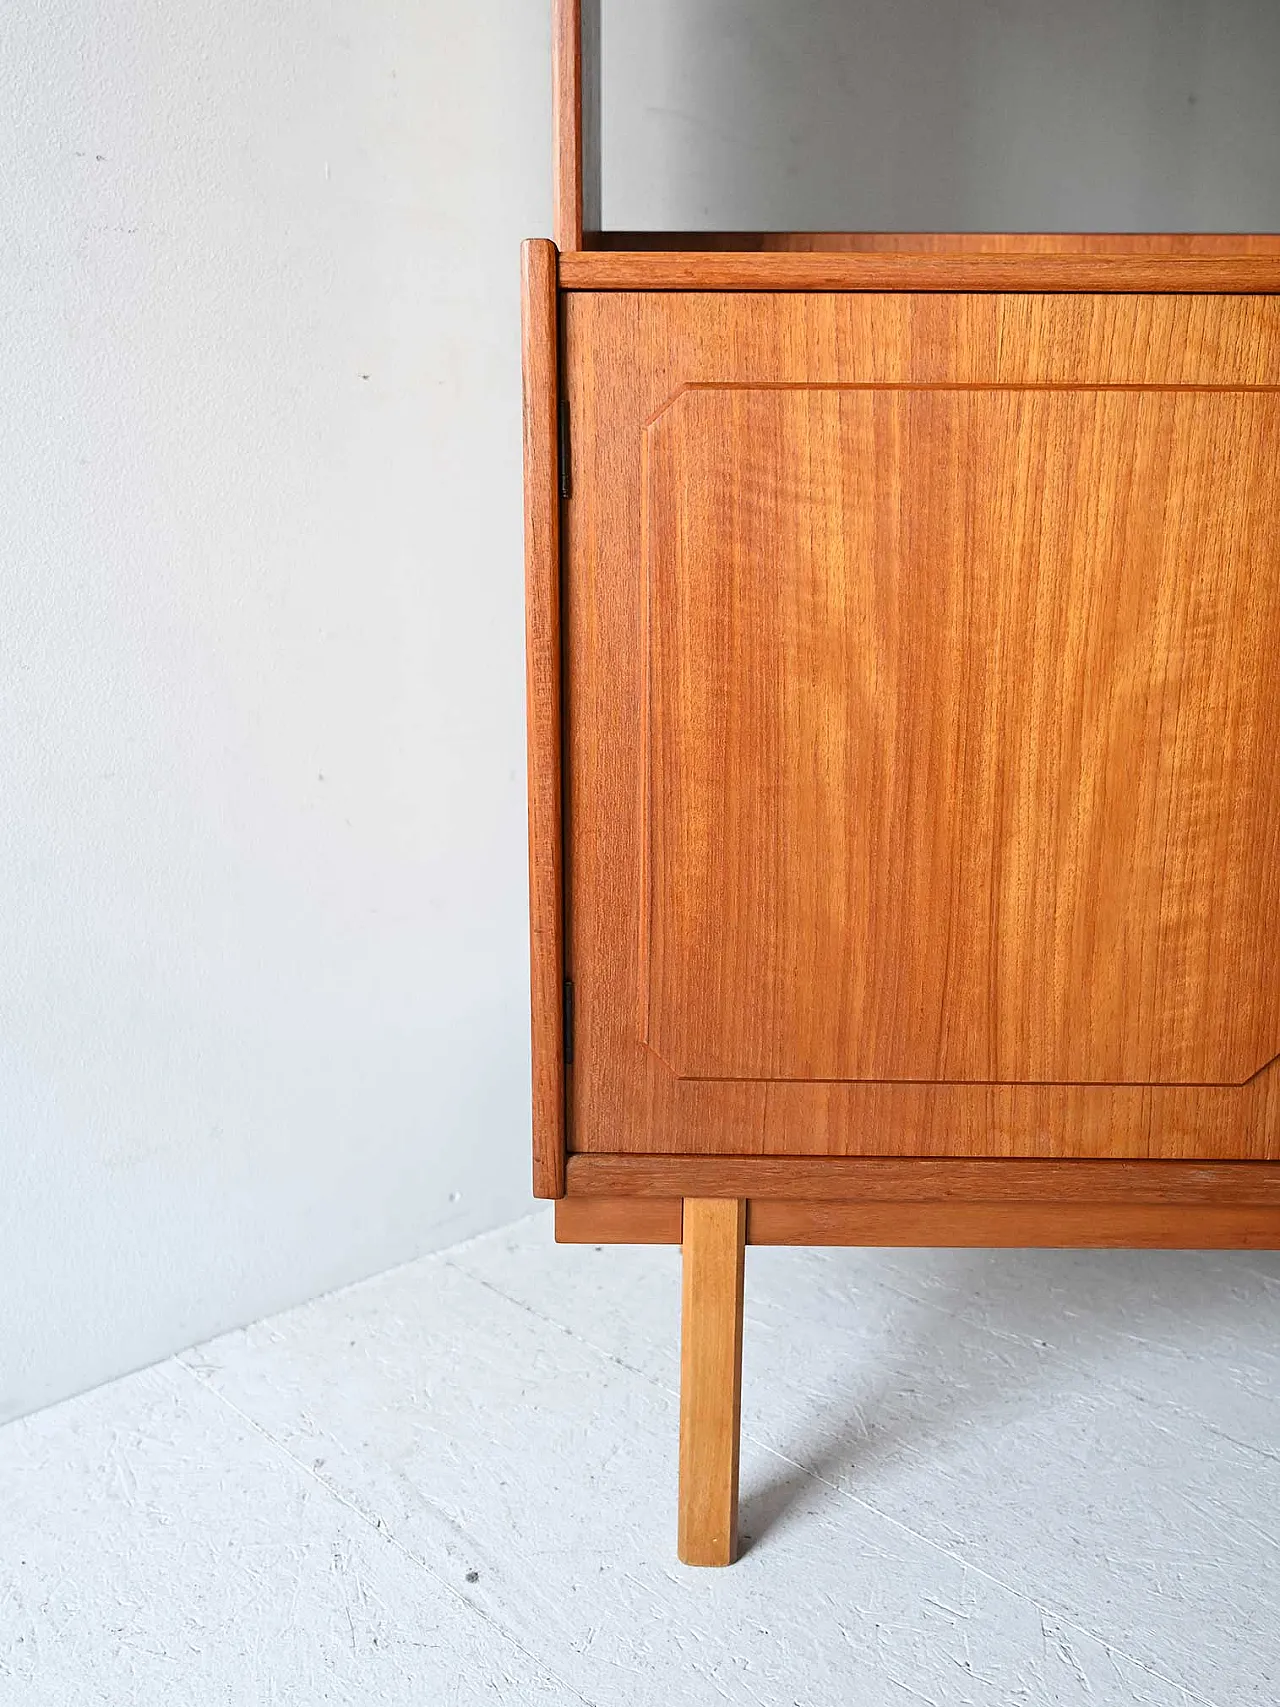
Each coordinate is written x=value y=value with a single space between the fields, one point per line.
x=566 y=473
x=568 y=1022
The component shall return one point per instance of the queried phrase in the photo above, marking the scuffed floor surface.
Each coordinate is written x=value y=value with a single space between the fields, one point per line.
x=1023 y=1477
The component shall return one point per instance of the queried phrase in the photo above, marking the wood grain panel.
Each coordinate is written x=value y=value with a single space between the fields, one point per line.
x=603 y=270
x=962 y=731
x=778 y=1221
x=542 y=685
x=1015 y=1225
x=618 y=1221
x=917 y=1179
x=627 y=357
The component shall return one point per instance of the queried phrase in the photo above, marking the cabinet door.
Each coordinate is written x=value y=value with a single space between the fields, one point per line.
x=922 y=715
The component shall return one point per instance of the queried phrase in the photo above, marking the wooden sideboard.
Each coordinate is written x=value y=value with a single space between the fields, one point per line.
x=904 y=747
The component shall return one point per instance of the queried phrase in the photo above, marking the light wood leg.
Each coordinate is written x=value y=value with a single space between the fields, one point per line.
x=711 y=1378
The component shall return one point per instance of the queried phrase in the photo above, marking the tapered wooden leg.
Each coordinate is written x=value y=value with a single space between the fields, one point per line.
x=711 y=1378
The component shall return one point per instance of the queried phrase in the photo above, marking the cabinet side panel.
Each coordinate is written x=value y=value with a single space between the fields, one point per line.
x=542 y=633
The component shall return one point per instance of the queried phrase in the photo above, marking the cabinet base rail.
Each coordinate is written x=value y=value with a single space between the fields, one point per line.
x=901 y=1200
x=714 y=1231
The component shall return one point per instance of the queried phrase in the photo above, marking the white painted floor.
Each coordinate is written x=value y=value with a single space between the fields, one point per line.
x=1013 y=1477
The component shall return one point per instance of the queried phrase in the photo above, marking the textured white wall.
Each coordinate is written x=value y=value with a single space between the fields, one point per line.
x=942 y=115
x=262 y=849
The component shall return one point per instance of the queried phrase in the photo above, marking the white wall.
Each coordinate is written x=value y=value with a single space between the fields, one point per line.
x=262 y=904
x=942 y=115
x=263 y=969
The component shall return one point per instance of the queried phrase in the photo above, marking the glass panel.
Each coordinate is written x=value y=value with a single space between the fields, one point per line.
x=941 y=115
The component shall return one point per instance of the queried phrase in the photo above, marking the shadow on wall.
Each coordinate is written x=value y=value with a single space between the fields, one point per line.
x=908 y=1370
x=924 y=115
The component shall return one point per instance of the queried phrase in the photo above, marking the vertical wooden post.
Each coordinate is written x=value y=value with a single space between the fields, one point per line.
x=575 y=116
x=542 y=684
x=711 y=1378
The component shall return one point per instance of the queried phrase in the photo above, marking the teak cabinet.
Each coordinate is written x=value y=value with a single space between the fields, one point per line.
x=904 y=791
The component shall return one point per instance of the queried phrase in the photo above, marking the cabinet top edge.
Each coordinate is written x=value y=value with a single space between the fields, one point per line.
x=689 y=270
